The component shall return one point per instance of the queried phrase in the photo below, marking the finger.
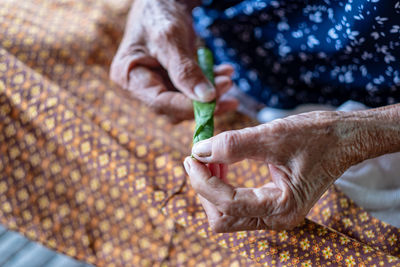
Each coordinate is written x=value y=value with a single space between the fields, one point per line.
x=175 y=105
x=131 y=52
x=238 y=202
x=224 y=172
x=214 y=169
x=171 y=40
x=232 y=146
x=185 y=73
x=212 y=212
x=202 y=180
x=122 y=65
x=219 y=222
x=224 y=69
x=147 y=86
x=219 y=170
x=222 y=85
x=225 y=106
x=230 y=224
x=222 y=223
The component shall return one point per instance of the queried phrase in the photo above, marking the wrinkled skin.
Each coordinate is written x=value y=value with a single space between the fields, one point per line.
x=156 y=61
x=306 y=153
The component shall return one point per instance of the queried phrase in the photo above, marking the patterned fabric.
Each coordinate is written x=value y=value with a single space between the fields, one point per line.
x=90 y=172
x=288 y=53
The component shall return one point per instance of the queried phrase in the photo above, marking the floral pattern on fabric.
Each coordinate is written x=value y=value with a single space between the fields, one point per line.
x=288 y=53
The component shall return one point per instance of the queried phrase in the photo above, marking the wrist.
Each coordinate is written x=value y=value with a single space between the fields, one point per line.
x=369 y=133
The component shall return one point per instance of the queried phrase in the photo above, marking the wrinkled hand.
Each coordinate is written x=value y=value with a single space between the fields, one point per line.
x=156 y=61
x=305 y=153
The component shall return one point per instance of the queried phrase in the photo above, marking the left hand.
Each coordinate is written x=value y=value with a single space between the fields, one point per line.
x=305 y=153
x=156 y=61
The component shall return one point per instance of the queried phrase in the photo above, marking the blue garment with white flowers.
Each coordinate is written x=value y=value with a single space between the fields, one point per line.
x=292 y=52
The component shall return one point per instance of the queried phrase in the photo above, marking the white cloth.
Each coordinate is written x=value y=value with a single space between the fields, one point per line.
x=373 y=184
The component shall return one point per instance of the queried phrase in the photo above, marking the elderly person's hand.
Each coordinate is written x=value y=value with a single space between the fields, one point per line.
x=306 y=153
x=156 y=61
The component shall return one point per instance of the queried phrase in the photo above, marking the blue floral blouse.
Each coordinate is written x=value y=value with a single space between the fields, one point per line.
x=292 y=52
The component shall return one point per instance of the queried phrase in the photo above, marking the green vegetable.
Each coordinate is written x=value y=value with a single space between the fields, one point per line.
x=204 y=112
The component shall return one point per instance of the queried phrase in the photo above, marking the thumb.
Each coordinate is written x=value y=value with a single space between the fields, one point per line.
x=187 y=77
x=230 y=147
x=171 y=39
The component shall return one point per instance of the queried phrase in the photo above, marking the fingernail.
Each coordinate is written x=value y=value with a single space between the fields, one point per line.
x=205 y=91
x=202 y=149
x=186 y=164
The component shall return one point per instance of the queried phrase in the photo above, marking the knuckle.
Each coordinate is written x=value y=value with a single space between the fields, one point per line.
x=277 y=126
x=230 y=141
x=290 y=221
x=166 y=31
x=171 y=27
x=287 y=200
x=115 y=70
x=196 y=185
x=225 y=207
x=217 y=226
x=156 y=106
x=293 y=222
x=124 y=61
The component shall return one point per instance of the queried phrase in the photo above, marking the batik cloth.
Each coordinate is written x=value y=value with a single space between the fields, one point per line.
x=288 y=53
x=90 y=172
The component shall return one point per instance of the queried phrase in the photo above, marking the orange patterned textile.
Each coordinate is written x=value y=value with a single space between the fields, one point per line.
x=88 y=171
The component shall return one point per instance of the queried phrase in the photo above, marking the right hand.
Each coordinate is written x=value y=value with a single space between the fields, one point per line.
x=305 y=153
x=156 y=61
